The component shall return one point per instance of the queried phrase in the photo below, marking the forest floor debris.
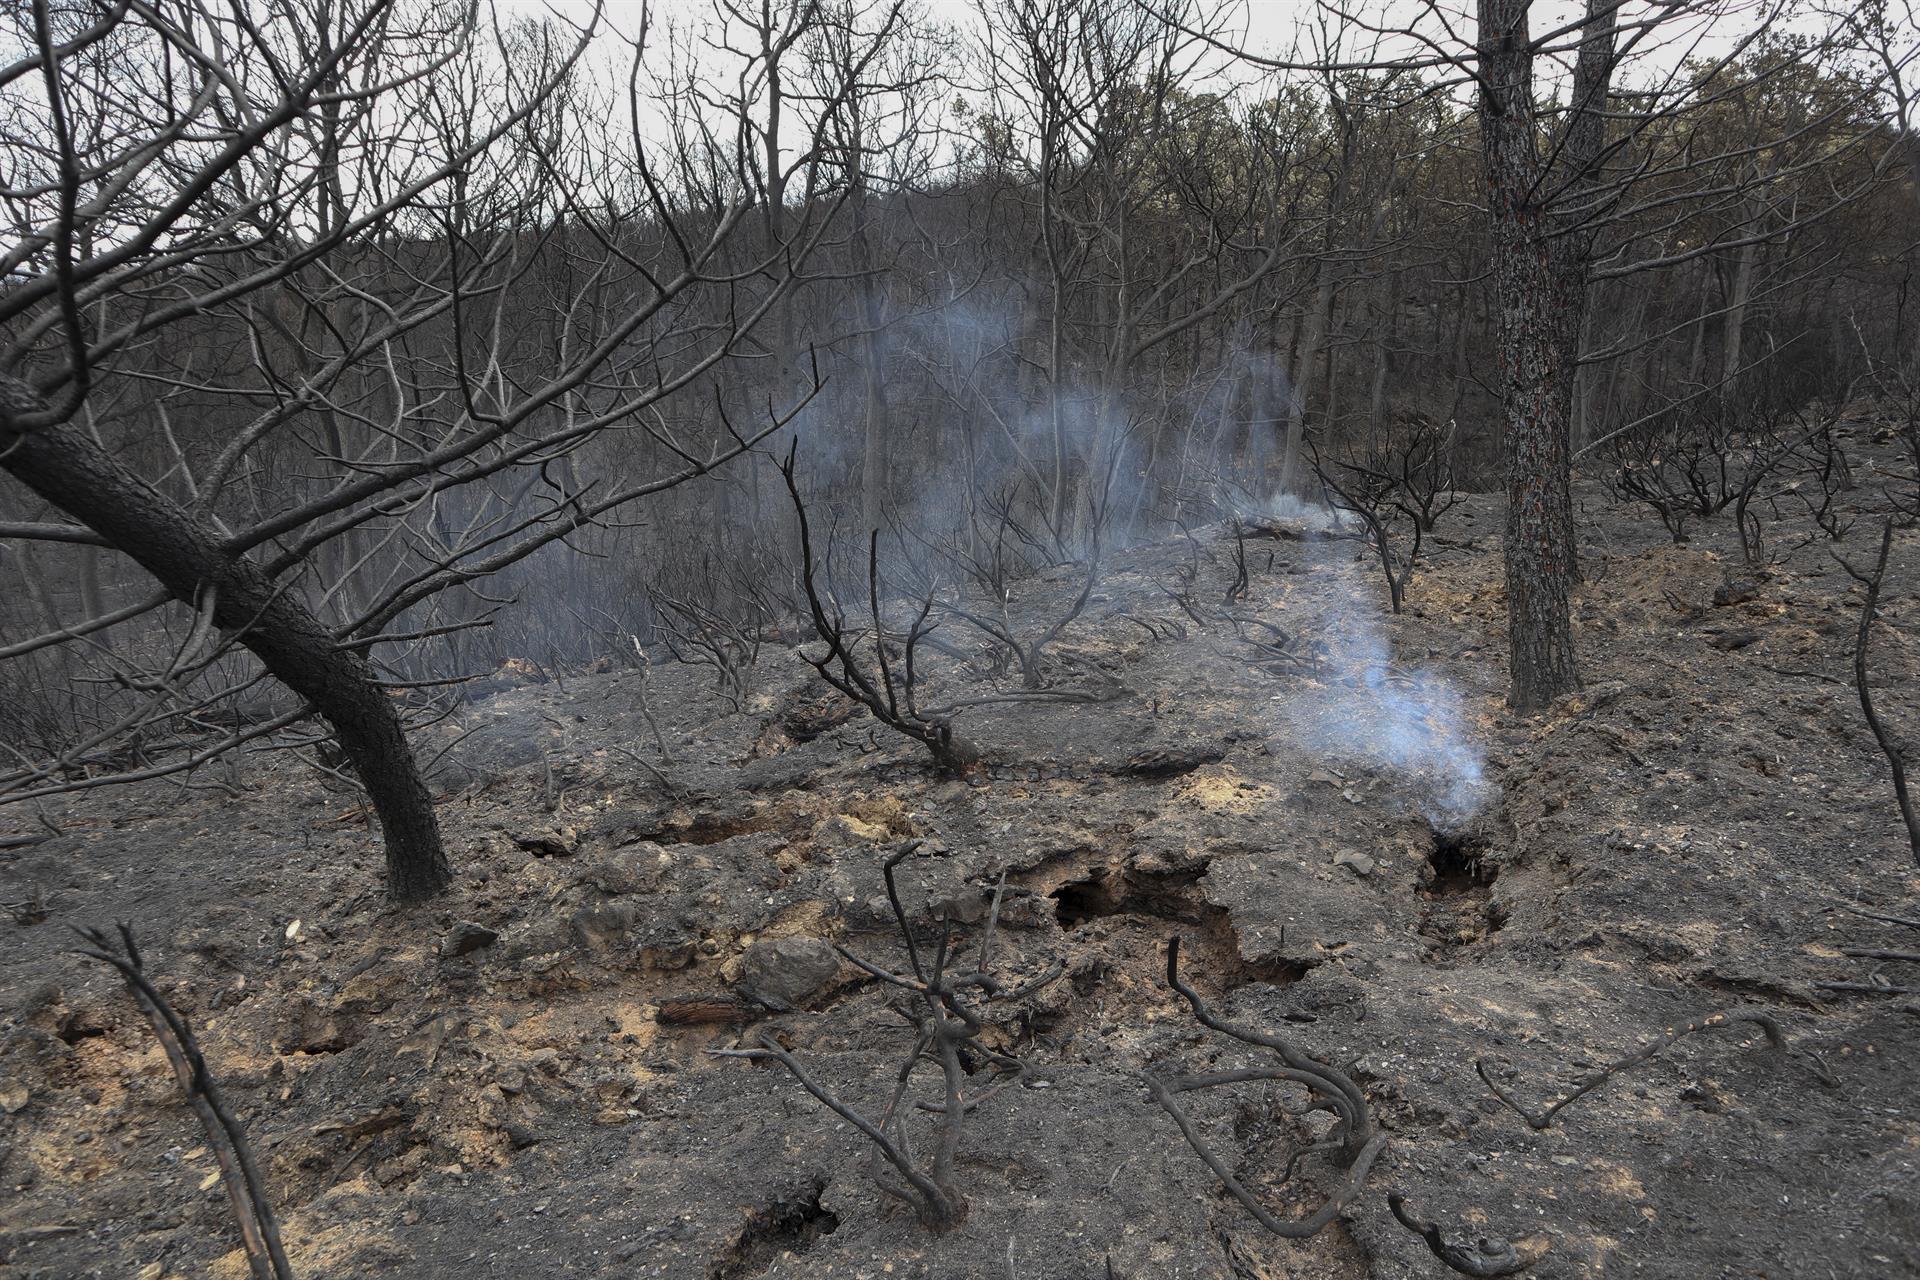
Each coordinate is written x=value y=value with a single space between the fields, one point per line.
x=512 y=1080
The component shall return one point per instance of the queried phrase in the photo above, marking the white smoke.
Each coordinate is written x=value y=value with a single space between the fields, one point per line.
x=1406 y=720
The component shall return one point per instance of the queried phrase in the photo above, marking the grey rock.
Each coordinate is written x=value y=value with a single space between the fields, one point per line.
x=1360 y=863
x=1729 y=641
x=634 y=868
x=789 y=969
x=601 y=927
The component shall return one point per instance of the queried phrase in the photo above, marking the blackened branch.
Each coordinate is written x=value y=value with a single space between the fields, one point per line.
x=1890 y=747
x=1712 y=1022
x=947 y=1030
x=1357 y=1142
x=1489 y=1257
x=246 y=1190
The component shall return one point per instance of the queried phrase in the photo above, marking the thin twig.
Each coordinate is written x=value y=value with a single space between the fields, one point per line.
x=1712 y=1022
x=246 y=1190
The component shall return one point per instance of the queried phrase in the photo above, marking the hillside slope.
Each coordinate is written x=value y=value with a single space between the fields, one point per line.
x=1362 y=848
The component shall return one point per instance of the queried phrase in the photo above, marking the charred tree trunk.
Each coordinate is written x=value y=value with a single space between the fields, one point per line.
x=1309 y=359
x=874 y=467
x=1741 y=294
x=1539 y=272
x=67 y=468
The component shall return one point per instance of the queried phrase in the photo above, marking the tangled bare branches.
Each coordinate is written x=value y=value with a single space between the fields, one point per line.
x=1000 y=628
x=1355 y=1141
x=889 y=695
x=1736 y=453
x=947 y=1030
x=1421 y=464
x=699 y=636
x=246 y=1190
x=1374 y=495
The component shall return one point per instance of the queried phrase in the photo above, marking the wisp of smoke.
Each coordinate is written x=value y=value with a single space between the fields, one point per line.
x=1412 y=723
x=1310 y=518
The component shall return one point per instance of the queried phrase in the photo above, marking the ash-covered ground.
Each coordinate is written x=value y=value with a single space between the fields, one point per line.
x=1363 y=849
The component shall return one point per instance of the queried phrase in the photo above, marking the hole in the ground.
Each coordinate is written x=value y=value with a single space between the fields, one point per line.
x=788 y=1226
x=1079 y=901
x=72 y=1030
x=1458 y=891
x=1165 y=895
x=1176 y=897
x=1459 y=864
x=711 y=828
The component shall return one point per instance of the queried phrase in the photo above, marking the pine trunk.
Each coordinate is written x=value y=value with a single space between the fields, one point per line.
x=1539 y=274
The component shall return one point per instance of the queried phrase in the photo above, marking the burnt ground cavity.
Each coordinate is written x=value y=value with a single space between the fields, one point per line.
x=1457 y=907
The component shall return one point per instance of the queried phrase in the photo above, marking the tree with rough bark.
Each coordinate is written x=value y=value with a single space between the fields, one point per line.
x=1576 y=191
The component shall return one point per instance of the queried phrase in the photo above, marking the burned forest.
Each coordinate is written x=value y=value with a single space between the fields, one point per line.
x=963 y=639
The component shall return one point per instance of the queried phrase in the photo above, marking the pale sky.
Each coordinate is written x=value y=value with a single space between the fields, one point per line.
x=1277 y=28
x=1298 y=30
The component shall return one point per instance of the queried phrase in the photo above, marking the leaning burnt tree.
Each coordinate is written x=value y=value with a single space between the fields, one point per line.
x=188 y=557
x=319 y=314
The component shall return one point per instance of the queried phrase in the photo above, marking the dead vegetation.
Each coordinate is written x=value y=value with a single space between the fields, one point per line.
x=867 y=673
x=239 y=1168
x=947 y=1029
x=1892 y=745
x=966 y=975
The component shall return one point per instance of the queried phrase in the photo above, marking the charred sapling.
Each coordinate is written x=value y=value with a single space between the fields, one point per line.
x=703 y=637
x=1238 y=589
x=1773 y=444
x=863 y=671
x=246 y=1190
x=939 y=1003
x=1643 y=473
x=1828 y=475
x=1375 y=496
x=1421 y=464
x=1027 y=653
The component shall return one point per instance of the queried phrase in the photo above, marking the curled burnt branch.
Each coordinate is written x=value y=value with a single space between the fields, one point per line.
x=1541 y=1119
x=246 y=1190
x=1356 y=1143
x=1487 y=1257
x=947 y=1029
x=1890 y=747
